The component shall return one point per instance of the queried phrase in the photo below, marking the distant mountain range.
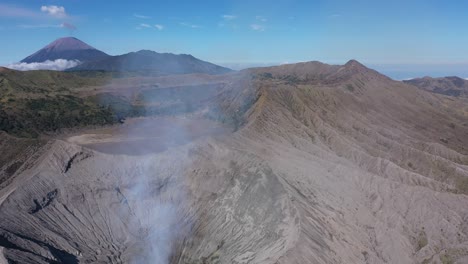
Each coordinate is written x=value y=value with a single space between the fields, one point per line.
x=150 y=61
x=452 y=85
x=92 y=59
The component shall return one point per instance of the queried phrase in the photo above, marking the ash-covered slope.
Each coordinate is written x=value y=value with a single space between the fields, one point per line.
x=329 y=164
x=68 y=48
x=154 y=62
x=452 y=86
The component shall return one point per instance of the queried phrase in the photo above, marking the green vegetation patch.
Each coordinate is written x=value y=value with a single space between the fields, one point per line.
x=29 y=117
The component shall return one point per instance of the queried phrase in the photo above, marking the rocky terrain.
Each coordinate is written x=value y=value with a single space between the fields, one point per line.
x=451 y=86
x=323 y=164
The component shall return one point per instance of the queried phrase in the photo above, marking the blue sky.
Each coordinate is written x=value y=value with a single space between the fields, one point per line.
x=396 y=32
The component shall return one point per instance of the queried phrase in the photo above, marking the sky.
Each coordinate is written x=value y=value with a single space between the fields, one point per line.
x=382 y=33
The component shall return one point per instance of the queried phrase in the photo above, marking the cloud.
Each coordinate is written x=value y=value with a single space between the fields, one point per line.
x=144 y=25
x=64 y=25
x=189 y=25
x=228 y=25
x=40 y=26
x=257 y=27
x=229 y=17
x=15 y=11
x=228 y=21
x=44 y=13
x=56 y=65
x=68 y=26
x=141 y=16
x=334 y=16
x=55 y=11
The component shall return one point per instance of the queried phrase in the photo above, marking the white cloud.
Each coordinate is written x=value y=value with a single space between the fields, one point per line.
x=143 y=26
x=40 y=26
x=55 y=11
x=257 y=27
x=68 y=26
x=260 y=18
x=141 y=16
x=56 y=65
x=15 y=11
x=189 y=25
x=229 y=17
x=64 y=25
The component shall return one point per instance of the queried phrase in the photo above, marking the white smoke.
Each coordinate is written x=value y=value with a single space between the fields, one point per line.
x=56 y=65
x=161 y=197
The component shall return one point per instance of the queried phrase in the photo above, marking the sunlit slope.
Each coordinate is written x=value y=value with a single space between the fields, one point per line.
x=376 y=168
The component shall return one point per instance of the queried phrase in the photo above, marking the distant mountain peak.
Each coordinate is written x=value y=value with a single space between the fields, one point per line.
x=69 y=43
x=355 y=64
x=355 y=68
x=68 y=48
x=146 y=52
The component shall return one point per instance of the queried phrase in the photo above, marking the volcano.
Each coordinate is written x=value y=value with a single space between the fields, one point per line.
x=324 y=164
x=68 y=48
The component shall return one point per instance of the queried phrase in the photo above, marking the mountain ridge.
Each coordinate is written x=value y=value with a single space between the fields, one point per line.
x=152 y=61
x=146 y=62
x=449 y=85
